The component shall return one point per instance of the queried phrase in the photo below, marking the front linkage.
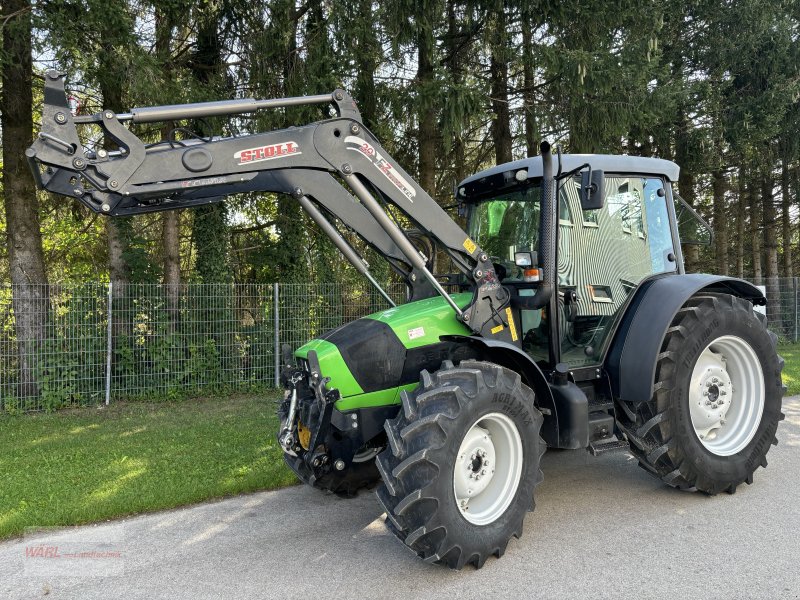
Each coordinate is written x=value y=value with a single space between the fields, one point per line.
x=325 y=447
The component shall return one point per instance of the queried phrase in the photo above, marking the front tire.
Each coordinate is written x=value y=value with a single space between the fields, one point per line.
x=462 y=463
x=717 y=398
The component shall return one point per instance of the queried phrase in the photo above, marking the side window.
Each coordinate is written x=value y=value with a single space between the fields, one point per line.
x=618 y=246
x=564 y=212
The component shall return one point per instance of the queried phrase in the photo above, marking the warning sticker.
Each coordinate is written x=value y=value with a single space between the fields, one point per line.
x=511 y=326
x=469 y=245
x=498 y=329
x=415 y=333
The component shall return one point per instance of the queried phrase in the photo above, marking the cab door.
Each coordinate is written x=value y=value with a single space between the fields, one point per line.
x=603 y=255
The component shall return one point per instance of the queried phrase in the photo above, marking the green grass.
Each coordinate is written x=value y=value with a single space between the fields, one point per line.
x=791 y=370
x=84 y=465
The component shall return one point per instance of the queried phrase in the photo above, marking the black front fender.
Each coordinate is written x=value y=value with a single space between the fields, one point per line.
x=511 y=357
x=631 y=359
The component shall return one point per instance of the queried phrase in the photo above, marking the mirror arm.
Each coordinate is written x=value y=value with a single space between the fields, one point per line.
x=574 y=171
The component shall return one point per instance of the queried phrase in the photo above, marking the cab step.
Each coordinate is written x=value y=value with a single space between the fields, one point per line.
x=604 y=446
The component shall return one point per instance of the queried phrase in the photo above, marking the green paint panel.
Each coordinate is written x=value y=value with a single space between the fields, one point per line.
x=332 y=365
x=372 y=399
x=422 y=322
x=416 y=324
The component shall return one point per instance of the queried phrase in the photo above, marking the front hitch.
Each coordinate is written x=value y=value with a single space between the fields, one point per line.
x=307 y=403
x=287 y=436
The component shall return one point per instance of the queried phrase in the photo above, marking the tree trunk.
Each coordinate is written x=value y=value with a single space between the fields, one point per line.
x=368 y=50
x=118 y=229
x=691 y=252
x=529 y=81
x=170 y=219
x=426 y=133
x=770 y=244
x=755 y=230
x=720 y=223
x=456 y=51
x=24 y=237
x=686 y=181
x=210 y=230
x=170 y=242
x=786 y=219
x=741 y=217
x=498 y=73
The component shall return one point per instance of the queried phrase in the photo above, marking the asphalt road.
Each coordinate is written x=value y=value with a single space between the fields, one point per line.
x=603 y=528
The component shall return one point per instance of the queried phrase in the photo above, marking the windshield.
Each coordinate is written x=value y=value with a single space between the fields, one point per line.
x=506 y=223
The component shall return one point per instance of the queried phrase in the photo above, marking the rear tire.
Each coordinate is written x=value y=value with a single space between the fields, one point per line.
x=462 y=463
x=717 y=398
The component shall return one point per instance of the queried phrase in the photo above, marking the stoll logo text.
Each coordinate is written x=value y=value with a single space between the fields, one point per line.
x=271 y=152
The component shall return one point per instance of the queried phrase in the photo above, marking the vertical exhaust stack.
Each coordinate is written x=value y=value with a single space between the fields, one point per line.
x=548 y=227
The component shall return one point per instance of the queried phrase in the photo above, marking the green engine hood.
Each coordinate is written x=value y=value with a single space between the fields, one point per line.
x=372 y=359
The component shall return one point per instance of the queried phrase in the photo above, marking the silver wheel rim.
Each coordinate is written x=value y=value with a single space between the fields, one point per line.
x=726 y=395
x=488 y=468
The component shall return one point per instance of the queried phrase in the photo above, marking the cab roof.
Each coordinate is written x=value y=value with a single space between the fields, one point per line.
x=609 y=163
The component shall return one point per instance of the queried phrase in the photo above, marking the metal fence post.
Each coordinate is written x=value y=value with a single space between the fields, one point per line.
x=109 y=341
x=277 y=349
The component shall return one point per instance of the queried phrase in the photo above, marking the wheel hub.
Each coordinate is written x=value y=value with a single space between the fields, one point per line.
x=475 y=457
x=487 y=468
x=715 y=395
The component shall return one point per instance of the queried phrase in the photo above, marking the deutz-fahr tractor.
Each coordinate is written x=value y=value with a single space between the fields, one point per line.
x=567 y=320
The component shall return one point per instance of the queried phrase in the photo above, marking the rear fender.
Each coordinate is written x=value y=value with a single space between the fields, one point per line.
x=631 y=359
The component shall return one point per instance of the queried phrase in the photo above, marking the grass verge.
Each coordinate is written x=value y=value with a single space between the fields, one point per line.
x=791 y=370
x=84 y=465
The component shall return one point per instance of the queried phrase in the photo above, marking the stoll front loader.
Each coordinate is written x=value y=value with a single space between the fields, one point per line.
x=572 y=323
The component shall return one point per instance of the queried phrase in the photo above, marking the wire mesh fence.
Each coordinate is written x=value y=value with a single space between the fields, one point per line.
x=83 y=344
x=783 y=305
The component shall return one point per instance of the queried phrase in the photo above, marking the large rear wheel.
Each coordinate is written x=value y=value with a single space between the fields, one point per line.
x=462 y=462
x=717 y=398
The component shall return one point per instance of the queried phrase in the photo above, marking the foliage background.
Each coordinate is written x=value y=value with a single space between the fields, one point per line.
x=449 y=86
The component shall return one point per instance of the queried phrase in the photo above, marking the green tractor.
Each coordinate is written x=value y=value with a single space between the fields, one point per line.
x=569 y=321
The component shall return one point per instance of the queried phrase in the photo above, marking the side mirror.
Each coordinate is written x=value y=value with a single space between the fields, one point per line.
x=525 y=259
x=592 y=189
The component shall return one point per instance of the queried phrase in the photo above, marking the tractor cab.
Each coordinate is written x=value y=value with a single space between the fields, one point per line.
x=605 y=247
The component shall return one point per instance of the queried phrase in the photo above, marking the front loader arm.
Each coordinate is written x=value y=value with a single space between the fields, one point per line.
x=303 y=162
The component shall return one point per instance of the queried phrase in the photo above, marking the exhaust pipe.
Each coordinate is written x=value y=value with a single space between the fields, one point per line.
x=548 y=229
